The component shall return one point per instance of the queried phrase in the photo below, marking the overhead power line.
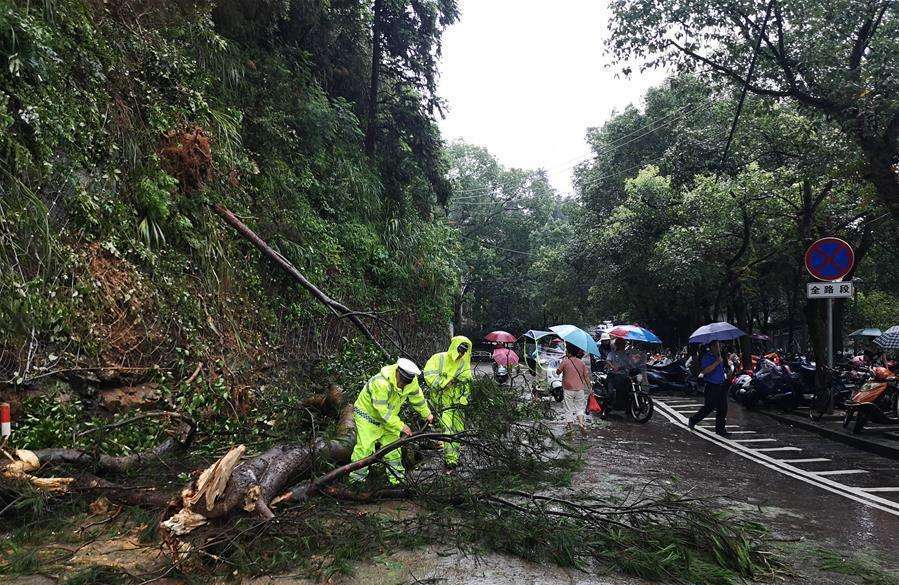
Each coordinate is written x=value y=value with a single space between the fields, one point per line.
x=617 y=144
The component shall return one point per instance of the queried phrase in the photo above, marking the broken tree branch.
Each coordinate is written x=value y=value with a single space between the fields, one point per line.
x=337 y=308
x=177 y=443
x=301 y=492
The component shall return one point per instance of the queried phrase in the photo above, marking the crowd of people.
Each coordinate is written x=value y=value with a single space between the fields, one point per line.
x=447 y=377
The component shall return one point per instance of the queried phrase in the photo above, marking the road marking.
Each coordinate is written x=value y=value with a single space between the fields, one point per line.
x=742 y=432
x=809 y=460
x=840 y=472
x=686 y=405
x=862 y=495
x=773 y=449
x=754 y=440
x=713 y=426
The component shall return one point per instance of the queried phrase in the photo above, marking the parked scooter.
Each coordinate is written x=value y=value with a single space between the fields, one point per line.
x=637 y=404
x=773 y=385
x=876 y=401
x=741 y=385
x=673 y=376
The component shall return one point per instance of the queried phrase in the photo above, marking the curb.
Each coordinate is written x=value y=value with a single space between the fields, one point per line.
x=853 y=440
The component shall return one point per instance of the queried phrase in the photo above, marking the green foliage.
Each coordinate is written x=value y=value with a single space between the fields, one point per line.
x=514 y=245
x=876 y=309
x=834 y=60
x=672 y=238
x=106 y=112
x=98 y=575
x=53 y=420
x=864 y=567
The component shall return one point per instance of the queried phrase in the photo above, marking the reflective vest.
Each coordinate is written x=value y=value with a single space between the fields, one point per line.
x=381 y=399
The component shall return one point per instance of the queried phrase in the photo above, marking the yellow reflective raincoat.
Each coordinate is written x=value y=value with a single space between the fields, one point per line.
x=377 y=417
x=449 y=378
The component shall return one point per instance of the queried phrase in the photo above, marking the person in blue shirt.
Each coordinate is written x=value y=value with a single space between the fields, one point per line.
x=714 y=374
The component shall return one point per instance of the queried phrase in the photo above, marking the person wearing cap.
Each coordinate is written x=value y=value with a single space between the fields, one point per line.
x=377 y=415
x=448 y=375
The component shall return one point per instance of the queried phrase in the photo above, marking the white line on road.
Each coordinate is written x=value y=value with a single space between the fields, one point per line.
x=713 y=426
x=861 y=495
x=754 y=440
x=773 y=449
x=809 y=460
x=840 y=472
x=743 y=432
x=686 y=405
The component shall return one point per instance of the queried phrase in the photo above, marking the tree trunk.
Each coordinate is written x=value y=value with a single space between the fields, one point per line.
x=882 y=173
x=371 y=130
x=815 y=319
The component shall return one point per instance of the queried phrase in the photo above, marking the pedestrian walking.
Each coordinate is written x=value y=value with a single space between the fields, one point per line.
x=712 y=365
x=575 y=384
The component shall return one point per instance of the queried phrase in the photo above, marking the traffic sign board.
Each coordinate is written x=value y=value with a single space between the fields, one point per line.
x=829 y=259
x=829 y=290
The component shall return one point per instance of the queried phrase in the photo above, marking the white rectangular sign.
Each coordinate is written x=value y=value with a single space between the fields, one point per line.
x=829 y=290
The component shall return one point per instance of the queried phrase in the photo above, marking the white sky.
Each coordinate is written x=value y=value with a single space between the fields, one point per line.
x=526 y=78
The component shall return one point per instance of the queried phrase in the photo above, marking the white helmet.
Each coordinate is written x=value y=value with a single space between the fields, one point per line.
x=407 y=369
x=605 y=336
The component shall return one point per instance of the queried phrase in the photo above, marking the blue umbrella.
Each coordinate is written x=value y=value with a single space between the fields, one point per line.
x=634 y=333
x=577 y=337
x=720 y=331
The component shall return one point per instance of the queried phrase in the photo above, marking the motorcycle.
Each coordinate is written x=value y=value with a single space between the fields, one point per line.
x=673 y=376
x=740 y=386
x=806 y=372
x=637 y=404
x=773 y=385
x=876 y=401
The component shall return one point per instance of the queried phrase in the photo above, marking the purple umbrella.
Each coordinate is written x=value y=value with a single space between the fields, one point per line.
x=720 y=331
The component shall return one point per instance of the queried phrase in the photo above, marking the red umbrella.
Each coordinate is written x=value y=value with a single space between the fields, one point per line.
x=505 y=357
x=500 y=337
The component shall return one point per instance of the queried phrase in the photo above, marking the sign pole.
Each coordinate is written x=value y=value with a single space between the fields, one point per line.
x=830 y=333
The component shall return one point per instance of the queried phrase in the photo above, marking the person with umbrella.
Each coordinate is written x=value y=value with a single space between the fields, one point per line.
x=712 y=366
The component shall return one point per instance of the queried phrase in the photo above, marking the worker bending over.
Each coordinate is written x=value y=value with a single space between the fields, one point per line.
x=377 y=416
x=448 y=375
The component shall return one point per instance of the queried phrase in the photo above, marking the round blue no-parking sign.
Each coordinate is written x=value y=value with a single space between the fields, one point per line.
x=829 y=259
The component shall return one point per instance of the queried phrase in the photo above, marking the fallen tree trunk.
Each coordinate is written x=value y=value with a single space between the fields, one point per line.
x=337 y=308
x=177 y=443
x=301 y=492
x=252 y=484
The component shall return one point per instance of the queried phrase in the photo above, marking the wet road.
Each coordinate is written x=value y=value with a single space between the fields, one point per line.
x=625 y=454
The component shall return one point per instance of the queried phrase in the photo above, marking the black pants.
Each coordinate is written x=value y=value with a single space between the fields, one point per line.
x=715 y=399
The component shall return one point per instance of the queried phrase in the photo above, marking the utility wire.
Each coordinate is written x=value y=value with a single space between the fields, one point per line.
x=678 y=114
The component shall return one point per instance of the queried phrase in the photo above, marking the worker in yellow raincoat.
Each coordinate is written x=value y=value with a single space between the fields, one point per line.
x=448 y=375
x=377 y=415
